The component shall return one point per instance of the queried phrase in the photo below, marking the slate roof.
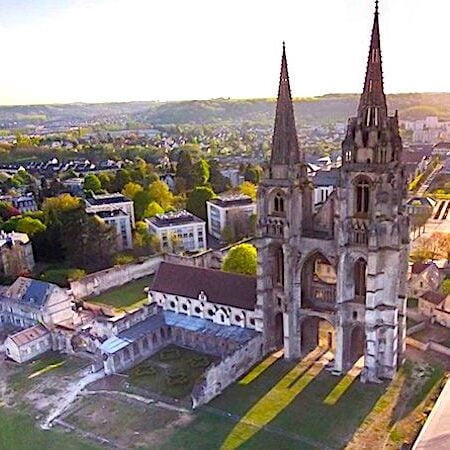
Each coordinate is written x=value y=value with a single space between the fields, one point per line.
x=418 y=268
x=220 y=287
x=174 y=218
x=227 y=201
x=29 y=335
x=107 y=199
x=326 y=178
x=33 y=292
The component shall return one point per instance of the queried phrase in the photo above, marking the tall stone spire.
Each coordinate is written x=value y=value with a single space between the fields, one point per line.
x=372 y=107
x=285 y=149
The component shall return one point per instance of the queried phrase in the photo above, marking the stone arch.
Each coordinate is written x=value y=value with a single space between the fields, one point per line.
x=357 y=344
x=318 y=281
x=317 y=331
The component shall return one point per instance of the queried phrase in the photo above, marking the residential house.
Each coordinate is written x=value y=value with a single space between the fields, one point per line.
x=120 y=222
x=108 y=202
x=232 y=211
x=179 y=230
x=424 y=277
x=429 y=301
x=28 y=344
x=16 y=254
x=28 y=302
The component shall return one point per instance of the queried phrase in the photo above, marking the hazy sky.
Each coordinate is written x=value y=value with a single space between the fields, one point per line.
x=119 y=50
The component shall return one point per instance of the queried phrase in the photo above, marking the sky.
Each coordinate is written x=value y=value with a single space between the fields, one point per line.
x=60 y=51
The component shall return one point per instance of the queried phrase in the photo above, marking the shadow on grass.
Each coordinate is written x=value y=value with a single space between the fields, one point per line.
x=284 y=407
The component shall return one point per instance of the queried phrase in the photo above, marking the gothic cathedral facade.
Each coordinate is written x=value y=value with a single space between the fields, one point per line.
x=338 y=273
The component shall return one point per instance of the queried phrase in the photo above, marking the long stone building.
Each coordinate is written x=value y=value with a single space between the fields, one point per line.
x=338 y=274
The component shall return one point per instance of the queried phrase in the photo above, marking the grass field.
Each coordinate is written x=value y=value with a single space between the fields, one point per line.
x=24 y=375
x=157 y=380
x=126 y=295
x=18 y=432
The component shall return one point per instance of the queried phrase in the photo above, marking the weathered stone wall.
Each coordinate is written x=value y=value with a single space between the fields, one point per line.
x=415 y=328
x=227 y=371
x=98 y=282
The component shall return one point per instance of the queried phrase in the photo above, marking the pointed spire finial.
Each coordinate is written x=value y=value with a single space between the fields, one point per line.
x=372 y=106
x=285 y=149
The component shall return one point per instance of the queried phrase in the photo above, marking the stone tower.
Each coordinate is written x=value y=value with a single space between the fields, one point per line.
x=373 y=235
x=336 y=277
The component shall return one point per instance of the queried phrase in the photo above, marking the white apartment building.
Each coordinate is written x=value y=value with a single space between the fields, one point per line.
x=228 y=210
x=119 y=221
x=108 y=202
x=189 y=229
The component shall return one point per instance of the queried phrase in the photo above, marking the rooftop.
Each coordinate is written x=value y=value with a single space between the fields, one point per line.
x=33 y=292
x=29 y=335
x=106 y=199
x=229 y=200
x=174 y=218
x=114 y=212
x=434 y=297
x=326 y=178
x=224 y=288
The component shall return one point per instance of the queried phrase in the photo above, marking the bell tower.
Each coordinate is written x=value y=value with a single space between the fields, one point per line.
x=284 y=209
x=373 y=230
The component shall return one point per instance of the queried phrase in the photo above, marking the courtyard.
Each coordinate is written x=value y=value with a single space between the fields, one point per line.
x=126 y=296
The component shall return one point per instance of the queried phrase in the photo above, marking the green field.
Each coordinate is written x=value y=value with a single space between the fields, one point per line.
x=126 y=295
x=18 y=432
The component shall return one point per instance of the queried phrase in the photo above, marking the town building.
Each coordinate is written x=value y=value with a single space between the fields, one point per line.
x=16 y=254
x=179 y=231
x=325 y=182
x=28 y=344
x=74 y=186
x=229 y=210
x=120 y=222
x=424 y=277
x=441 y=149
x=234 y=175
x=28 y=302
x=361 y=233
x=23 y=203
x=108 y=202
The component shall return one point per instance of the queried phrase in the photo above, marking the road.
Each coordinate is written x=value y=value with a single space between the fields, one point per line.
x=435 y=434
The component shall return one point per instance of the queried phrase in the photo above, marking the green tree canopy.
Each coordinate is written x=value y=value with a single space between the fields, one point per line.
x=160 y=193
x=153 y=209
x=131 y=189
x=92 y=183
x=30 y=226
x=241 y=259
x=196 y=202
x=200 y=173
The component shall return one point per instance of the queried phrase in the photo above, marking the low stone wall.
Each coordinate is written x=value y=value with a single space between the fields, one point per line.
x=227 y=371
x=442 y=349
x=417 y=344
x=99 y=282
x=416 y=328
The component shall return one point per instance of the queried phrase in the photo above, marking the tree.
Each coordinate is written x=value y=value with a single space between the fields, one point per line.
x=130 y=190
x=200 y=173
x=196 y=202
x=7 y=210
x=228 y=234
x=160 y=193
x=445 y=287
x=249 y=189
x=153 y=209
x=92 y=184
x=141 y=201
x=253 y=174
x=241 y=259
x=30 y=226
x=123 y=177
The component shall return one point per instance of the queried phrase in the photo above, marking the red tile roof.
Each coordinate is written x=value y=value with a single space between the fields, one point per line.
x=29 y=335
x=434 y=297
x=219 y=287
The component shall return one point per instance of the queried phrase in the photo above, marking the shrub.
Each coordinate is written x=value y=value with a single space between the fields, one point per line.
x=145 y=370
x=177 y=378
x=200 y=361
x=169 y=354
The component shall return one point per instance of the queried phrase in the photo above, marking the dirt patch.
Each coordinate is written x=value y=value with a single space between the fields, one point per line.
x=127 y=423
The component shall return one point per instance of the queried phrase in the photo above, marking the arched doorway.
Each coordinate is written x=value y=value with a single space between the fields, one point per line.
x=316 y=332
x=318 y=283
x=357 y=344
x=279 y=331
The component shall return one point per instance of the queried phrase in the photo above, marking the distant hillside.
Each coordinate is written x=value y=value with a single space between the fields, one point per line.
x=317 y=110
x=326 y=109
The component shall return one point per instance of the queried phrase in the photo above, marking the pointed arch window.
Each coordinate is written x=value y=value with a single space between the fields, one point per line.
x=360 y=274
x=278 y=203
x=362 y=197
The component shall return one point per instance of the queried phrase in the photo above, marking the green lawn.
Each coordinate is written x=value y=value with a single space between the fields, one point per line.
x=18 y=432
x=125 y=295
x=413 y=302
x=306 y=407
x=153 y=374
